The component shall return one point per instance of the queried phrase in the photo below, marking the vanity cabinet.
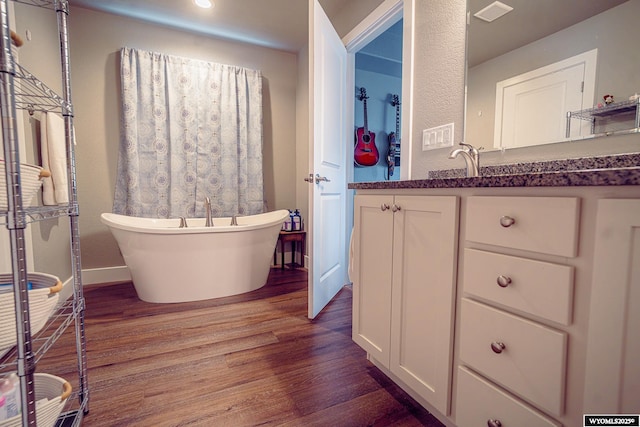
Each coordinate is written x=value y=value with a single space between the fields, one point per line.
x=511 y=304
x=612 y=383
x=404 y=288
x=545 y=323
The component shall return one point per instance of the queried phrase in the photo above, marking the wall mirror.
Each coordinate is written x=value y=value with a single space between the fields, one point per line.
x=529 y=67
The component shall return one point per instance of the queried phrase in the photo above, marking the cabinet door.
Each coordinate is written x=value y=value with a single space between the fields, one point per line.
x=425 y=253
x=371 y=265
x=612 y=383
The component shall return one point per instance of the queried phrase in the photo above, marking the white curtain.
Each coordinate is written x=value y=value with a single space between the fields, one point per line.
x=190 y=129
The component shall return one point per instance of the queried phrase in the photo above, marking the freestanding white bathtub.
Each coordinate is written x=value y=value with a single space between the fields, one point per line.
x=172 y=264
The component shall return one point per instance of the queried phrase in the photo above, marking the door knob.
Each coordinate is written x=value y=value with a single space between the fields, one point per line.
x=309 y=179
x=321 y=178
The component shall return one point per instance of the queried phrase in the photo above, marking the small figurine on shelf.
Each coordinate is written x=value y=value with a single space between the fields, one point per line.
x=608 y=99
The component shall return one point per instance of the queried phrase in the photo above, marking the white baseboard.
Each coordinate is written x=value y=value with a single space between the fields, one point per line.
x=94 y=276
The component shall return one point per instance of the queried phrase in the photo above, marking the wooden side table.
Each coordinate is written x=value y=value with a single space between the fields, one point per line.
x=294 y=237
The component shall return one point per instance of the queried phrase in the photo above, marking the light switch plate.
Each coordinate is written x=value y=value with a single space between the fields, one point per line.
x=437 y=137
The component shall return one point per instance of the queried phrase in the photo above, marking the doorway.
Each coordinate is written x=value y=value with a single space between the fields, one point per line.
x=378 y=74
x=380 y=20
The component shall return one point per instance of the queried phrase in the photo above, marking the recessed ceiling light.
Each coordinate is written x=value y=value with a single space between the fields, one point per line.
x=205 y=4
x=494 y=11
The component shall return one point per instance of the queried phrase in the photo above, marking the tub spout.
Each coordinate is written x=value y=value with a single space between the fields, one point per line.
x=207 y=205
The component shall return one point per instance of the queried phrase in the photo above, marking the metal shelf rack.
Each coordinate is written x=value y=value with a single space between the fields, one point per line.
x=20 y=90
x=614 y=109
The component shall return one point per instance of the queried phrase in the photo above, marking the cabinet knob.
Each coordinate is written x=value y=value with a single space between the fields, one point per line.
x=506 y=221
x=503 y=281
x=384 y=207
x=494 y=423
x=395 y=208
x=497 y=347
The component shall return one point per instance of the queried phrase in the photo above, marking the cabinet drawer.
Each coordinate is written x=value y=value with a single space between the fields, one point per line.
x=532 y=362
x=541 y=224
x=539 y=288
x=478 y=401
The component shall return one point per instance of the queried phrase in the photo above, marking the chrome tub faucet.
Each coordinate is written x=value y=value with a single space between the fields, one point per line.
x=207 y=206
x=471 y=156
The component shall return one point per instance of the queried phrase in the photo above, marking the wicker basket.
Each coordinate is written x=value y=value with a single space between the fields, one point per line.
x=43 y=298
x=51 y=395
x=30 y=178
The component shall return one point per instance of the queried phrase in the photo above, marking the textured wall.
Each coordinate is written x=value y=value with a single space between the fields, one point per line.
x=438 y=74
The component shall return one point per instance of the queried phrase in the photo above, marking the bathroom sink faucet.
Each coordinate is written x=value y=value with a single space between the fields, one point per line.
x=207 y=206
x=471 y=156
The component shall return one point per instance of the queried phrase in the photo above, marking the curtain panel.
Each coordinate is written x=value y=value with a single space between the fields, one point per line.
x=190 y=129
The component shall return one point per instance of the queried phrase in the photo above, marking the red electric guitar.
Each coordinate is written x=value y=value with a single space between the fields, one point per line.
x=365 y=151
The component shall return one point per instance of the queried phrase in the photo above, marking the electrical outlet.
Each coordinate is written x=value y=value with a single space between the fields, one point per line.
x=437 y=137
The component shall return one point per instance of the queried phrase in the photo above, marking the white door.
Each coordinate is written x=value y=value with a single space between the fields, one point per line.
x=531 y=109
x=327 y=152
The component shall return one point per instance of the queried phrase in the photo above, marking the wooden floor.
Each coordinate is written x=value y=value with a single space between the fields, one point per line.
x=247 y=360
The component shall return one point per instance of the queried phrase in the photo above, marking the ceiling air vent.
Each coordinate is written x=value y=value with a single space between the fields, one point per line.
x=494 y=11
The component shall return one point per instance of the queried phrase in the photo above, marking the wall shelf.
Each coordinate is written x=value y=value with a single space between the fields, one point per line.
x=608 y=111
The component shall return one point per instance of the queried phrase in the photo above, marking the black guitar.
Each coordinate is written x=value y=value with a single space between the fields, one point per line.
x=393 y=156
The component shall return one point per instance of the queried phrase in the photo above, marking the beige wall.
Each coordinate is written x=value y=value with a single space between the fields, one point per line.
x=95 y=40
x=438 y=90
x=55 y=256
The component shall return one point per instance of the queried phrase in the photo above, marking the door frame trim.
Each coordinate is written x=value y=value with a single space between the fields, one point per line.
x=382 y=18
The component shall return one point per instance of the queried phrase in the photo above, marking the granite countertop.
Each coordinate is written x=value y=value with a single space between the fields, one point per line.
x=592 y=171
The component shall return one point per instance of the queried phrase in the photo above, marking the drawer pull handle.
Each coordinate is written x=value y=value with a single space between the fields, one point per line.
x=494 y=423
x=395 y=208
x=503 y=281
x=507 y=221
x=384 y=207
x=497 y=347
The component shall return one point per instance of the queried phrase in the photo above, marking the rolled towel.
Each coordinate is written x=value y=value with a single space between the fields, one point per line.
x=54 y=158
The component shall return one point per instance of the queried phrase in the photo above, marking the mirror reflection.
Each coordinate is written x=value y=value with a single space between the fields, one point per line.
x=537 y=61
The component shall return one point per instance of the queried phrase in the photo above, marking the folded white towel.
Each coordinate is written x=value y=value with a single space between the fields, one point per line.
x=54 y=158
